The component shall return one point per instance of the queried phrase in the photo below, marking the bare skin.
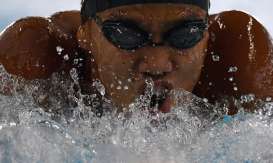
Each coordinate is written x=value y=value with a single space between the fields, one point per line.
x=28 y=48
x=183 y=67
x=245 y=64
x=168 y=67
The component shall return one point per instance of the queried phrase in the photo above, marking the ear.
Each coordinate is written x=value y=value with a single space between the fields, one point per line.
x=239 y=58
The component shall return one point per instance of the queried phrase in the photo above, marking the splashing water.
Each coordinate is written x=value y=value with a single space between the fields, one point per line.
x=70 y=131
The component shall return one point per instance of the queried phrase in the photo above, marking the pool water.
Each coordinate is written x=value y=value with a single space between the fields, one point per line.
x=194 y=131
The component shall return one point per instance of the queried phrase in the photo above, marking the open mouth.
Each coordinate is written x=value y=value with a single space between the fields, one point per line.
x=160 y=99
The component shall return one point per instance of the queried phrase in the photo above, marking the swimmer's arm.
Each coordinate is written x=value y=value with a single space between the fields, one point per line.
x=36 y=47
x=239 y=60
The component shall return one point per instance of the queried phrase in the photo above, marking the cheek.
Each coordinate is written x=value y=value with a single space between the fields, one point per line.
x=189 y=64
x=189 y=69
x=191 y=59
x=195 y=55
x=118 y=77
x=115 y=67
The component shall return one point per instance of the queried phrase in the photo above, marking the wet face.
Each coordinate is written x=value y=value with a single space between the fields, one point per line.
x=123 y=70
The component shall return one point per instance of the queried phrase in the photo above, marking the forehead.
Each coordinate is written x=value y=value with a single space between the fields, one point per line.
x=154 y=12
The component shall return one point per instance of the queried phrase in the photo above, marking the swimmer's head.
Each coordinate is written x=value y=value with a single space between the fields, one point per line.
x=163 y=41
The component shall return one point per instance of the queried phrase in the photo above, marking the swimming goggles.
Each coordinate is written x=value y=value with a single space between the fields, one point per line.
x=128 y=36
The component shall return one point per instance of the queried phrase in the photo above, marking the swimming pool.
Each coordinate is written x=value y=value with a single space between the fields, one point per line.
x=194 y=131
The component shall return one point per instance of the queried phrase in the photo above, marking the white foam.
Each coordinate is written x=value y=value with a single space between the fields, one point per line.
x=192 y=132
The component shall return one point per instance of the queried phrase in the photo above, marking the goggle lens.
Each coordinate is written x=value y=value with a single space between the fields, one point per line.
x=124 y=35
x=186 y=35
x=128 y=36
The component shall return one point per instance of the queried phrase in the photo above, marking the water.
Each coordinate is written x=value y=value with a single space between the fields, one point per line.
x=194 y=131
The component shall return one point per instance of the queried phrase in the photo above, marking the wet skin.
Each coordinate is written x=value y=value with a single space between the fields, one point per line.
x=123 y=72
x=28 y=50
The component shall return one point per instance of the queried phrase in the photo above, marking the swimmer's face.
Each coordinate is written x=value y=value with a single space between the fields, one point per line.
x=123 y=66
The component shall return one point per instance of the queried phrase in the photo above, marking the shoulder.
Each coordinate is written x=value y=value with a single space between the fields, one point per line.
x=28 y=47
x=67 y=21
x=239 y=58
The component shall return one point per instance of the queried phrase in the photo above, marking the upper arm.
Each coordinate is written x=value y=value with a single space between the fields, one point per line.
x=28 y=47
x=244 y=49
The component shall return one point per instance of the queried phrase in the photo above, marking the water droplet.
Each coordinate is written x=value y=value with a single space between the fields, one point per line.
x=205 y=100
x=12 y=124
x=37 y=64
x=216 y=58
x=100 y=87
x=75 y=61
x=66 y=57
x=74 y=75
x=247 y=98
x=194 y=29
x=268 y=99
x=126 y=87
x=231 y=79
x=233 y=69
x=59 y=50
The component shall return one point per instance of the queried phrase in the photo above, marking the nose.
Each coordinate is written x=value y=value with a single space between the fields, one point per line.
x=156 y=63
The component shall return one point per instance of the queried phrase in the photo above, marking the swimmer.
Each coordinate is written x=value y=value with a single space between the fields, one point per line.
x=122 y=43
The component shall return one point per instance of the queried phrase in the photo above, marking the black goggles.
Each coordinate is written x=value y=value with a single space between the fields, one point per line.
x=128 y=36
